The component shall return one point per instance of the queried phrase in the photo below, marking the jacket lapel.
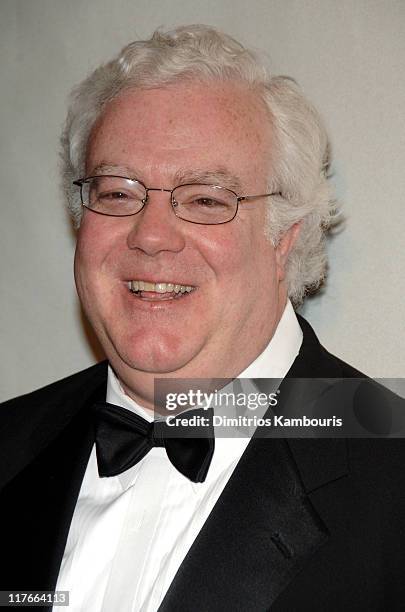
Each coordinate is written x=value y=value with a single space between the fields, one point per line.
x=252 y=545
x=264 y=526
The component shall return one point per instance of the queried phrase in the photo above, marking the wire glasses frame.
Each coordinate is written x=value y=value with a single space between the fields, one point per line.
x=200 y=203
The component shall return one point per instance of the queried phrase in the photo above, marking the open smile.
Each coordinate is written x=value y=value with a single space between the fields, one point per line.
x=159 y=291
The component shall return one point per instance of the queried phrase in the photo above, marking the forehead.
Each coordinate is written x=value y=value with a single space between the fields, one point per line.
x=208 y=125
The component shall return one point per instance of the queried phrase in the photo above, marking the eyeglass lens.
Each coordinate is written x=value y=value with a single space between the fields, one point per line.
x=116 y=196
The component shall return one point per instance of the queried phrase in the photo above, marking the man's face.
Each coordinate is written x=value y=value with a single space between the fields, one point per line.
x=163 y=137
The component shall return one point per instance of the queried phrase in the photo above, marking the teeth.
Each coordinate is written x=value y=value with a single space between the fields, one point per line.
x=139 y=285
x=149 y=287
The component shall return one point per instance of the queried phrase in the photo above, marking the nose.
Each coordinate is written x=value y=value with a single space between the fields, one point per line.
x=156 y=228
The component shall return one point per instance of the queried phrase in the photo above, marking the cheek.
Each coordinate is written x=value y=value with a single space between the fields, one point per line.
x=83 y=277
x=91 y=249
x=225 y=252
x=96 y=239
x=245 y=265
x=85 y=257
x=248 y=252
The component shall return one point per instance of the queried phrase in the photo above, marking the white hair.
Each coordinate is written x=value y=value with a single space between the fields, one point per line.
x=300 y=156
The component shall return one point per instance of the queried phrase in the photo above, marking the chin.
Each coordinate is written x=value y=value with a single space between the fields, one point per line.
x=162 y=353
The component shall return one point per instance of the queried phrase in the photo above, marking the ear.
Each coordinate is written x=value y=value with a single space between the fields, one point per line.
x=284 y=247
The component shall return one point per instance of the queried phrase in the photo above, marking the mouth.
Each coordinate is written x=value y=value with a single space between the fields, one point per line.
x=159 y=291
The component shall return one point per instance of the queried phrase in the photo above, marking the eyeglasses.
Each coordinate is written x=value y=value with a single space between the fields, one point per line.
x=120 y=196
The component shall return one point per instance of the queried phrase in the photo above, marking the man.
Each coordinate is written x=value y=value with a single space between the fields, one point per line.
x=198 y=184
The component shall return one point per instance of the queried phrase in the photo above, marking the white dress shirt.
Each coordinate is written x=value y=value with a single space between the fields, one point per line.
x=130 y=533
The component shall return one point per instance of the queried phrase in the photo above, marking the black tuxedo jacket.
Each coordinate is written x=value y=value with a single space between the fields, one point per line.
x=304 y=524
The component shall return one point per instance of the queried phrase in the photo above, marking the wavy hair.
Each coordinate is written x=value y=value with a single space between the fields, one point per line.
x=301 y=151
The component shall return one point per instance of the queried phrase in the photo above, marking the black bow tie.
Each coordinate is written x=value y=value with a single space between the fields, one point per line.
x=123 y=438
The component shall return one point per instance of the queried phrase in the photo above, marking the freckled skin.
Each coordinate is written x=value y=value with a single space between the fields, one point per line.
x=222 y=326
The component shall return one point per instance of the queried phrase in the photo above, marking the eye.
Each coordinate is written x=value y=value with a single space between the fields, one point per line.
x=109 y=190
x=207 y=202
x=114 y=195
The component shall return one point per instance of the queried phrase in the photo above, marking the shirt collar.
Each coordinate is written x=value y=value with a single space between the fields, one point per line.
x=278 y=356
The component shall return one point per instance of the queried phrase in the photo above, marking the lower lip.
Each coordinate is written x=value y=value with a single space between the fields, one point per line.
x=153 y=296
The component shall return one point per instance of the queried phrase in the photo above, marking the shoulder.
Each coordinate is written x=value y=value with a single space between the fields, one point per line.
x=29 y=422
x=373 y=416
x=314 y=361
x=64 y=396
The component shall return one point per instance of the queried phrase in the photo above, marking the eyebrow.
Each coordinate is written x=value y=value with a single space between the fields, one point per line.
x=119 y=170
x=217 y=176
